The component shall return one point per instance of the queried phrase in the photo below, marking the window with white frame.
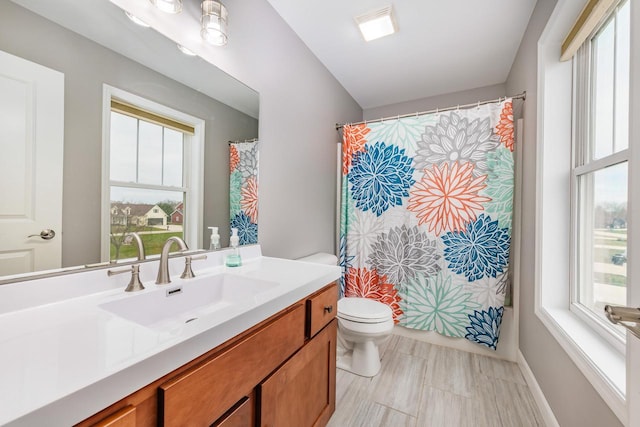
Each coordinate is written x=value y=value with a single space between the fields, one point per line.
x=152 y=171
x=599 y=174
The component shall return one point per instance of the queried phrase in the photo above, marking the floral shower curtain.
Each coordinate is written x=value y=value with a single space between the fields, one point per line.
x=426 y=218
x=243 y=190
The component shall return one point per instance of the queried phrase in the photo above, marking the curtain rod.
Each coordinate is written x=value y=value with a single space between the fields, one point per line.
x=522 y=96
x=242 y=142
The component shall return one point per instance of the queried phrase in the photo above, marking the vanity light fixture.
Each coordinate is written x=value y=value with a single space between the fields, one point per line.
x=214 y=22
x=186 y=51
x=136 y=20
x=168 y=6
x=376 y=24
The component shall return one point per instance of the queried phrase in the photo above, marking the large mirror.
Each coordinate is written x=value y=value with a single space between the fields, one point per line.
x=94 y=45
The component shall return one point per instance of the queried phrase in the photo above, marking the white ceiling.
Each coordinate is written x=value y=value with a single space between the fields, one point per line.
x=442 y=46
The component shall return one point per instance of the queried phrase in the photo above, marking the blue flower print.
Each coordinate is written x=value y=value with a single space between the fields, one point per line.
x=485 y=326
x=380 y=177
x=247 y=230
x=482 y=250
x=345 y=262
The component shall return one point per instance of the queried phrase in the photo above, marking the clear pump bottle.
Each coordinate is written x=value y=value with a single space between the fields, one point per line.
x=215 y=239
x=233 y=259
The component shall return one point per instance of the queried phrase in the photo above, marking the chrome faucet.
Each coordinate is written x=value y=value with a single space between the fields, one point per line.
x=163 y=268
x=141 y=254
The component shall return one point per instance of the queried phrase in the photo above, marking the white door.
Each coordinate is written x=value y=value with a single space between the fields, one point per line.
x=31 y=148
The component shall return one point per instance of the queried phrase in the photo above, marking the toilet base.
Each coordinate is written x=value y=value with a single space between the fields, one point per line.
x=363 y=359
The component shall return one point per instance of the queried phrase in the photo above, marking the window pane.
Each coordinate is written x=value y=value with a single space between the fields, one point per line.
x=147 y=212
x=173 y=157
x=603 y=55
x=123 y=147
x=603 y=238
x=150 y=154
x=623 y=36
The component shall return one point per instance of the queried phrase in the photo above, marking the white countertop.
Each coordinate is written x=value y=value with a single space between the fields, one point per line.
x=63 y=360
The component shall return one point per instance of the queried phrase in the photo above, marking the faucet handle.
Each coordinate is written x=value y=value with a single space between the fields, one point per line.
x=188 y=272
x=134 y=284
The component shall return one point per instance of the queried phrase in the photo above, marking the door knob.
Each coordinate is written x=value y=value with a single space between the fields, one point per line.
x=46 y=234
x=624 y=316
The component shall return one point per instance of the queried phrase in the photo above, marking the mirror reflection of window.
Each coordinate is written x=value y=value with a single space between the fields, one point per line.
x=146 y=180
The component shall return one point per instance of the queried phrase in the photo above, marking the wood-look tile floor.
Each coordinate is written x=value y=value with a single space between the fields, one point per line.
x=425 y=385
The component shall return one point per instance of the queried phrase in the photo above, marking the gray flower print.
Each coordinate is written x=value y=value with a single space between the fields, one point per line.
x=403 y=253
x=455 y=139
x=248 y=165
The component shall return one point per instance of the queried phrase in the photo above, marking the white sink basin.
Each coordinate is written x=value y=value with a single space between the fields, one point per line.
x=185 y=300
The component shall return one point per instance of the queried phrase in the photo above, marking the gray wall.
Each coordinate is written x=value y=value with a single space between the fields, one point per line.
x=447 y=100
x=570 y=395
x=86 y=66
x=300 y=103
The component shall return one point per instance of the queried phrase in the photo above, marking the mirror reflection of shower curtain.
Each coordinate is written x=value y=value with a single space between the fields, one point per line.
x=243 y=190
x=426 y=218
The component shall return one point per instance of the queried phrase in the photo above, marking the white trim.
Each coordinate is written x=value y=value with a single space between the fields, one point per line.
x=194 y=157
x=543 y=406
x=601 y=365
x=604 y=162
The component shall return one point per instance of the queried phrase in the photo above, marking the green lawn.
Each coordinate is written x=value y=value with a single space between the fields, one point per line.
x=152 y=245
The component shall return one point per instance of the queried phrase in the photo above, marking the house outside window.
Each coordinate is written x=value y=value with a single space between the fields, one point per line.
x=154 y=166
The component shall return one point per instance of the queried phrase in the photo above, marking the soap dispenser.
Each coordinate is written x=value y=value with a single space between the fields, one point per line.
x=215 y=239
x=233 y=259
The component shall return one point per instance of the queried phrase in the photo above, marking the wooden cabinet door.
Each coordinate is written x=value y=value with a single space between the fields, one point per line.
x=241 y=415
x=302 y=393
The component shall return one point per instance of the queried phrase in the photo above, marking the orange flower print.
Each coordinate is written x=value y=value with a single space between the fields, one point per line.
x=249 y=201
x=234 y=158
x=364 y=283
x=353 y=140
x=505 y=127
x=447 y=198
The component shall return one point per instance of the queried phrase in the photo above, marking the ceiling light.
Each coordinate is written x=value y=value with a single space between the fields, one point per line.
x=186 y=51
x=214 y=22
x=136 y=20
x=376 y=24
x=168 y=6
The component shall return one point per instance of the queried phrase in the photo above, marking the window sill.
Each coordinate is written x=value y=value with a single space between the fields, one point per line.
x=599 y=362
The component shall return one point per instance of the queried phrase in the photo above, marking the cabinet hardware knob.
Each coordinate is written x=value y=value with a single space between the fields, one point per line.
x=328 y=308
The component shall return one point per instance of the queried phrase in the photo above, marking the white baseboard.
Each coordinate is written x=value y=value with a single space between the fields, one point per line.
x=543 y=406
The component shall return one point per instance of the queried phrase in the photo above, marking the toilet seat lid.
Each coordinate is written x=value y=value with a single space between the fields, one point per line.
x=363 y=310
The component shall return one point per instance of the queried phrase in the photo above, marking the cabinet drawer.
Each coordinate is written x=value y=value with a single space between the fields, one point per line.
x=204 y=393
x=125 y=417
x=321 y=309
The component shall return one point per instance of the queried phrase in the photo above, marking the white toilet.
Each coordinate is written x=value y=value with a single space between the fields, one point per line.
x=363 y=325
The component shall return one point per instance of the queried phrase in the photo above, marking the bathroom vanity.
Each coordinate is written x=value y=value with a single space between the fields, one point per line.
x=264 y=355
